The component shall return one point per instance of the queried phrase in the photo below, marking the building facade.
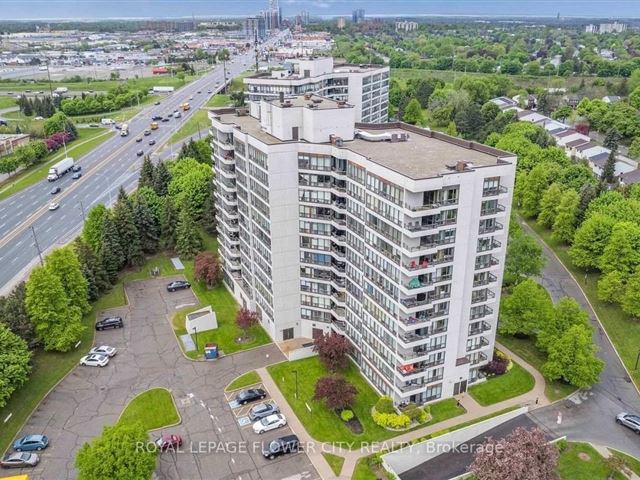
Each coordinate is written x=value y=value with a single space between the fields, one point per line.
x=366 y=87
x=391 y=235
x=253 y=26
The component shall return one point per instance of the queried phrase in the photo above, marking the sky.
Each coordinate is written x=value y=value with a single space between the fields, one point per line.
x=93 y=9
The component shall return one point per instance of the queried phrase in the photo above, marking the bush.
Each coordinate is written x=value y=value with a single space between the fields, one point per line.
x=346 y=415
x=499 y=365
x=416 y=414
x=385 y=405
x=562 y=445
x=391 y=420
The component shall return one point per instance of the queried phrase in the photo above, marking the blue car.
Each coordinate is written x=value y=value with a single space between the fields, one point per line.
x=31 y=442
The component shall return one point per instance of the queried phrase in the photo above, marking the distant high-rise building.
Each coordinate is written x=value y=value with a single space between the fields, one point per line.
x=253 y=25
x=341 y=22
x=357 y=16
x=406 y=26
x=614 y=27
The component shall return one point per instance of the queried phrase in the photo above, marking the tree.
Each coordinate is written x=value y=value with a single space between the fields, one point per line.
x=147 y=224
x=587 y=193
x=15 y=363
x=332 y=350
x=57 y=323
x=549 y=205
x=634 y=148
x=336 y=392
x=563 y=113
x=168 y=224
x=13 y=313
x=209 y=211
x=190 y=185
x=622 y=251
x=188 y=241
x=161 y=179
x=612 y=139
x=524 y=258
x=127 y=231
x=590 y=241
x=146 y=173
x=110 y=253
x=207 y=268
x=413 y=112
x=528 y=306
x=92 y=269
x=117 y=454
x=521 y=454
x=631 y=298
x=573 y=359
x=64 y=264
x=566 y=313
x=92 y=231
x=469 y=121
x=611 y=286
x=535 y=184
x=245 y=319
x=609 y=170
x=564 y=226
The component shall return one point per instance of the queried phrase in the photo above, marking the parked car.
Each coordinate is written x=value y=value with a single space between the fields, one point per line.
x=209 y=91
x=19 y=460
x=269 y=423
x=281 y=446
x=31 y=442
x=105 y=350
x=111 y=322
x=262 y=410
x=54 y=206
x=198 y=92
x=76 y=175
x=55 y=190
x=139 y=153
x=178 y=285
x=152 y=142
x=94 y=360
x=250 y=395
x=168 y=442
x=76 y=168
x=94 y=125
x=629 y=420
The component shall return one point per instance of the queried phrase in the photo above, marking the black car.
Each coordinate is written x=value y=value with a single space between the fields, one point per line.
x=152 y=142
x=76 y=175
x=76 y=168
x=111 y=322
x=250 y=395
x=281 y=446
x=262 y=410
x=139 y=153
x=139 y=139
x=178 y=285
x=156 y=117
x=166 y=119
x=157 y=103
x=55 y=190
x=198 y=92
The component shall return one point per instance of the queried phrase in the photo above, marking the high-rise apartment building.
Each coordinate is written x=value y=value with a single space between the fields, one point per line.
x=253 y=26
x=357 y=16
x=366 y=87
x=389 y=234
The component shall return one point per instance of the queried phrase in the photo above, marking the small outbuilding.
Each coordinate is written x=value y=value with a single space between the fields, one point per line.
x=201 y=320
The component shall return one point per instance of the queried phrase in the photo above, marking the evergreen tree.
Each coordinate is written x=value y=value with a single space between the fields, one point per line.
x=188 y=241
x=92 y=231
x=127 y=231
x=64 y=263
x=13 y=313
x=564 y=226
x=612 y=139
x=27 y=109
x=168 y=223
x=92 y=269
x=110 y=254
x=549 y=205
x=161 y=179
x=146 y=173
x=148 y=225
x=469 y=121
x=609 y=170
x=208 y=220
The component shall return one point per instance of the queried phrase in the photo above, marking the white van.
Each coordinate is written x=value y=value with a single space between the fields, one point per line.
x=107 y=121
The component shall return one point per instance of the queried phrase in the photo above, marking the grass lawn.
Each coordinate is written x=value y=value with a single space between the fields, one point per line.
x=444 y=410
x=249 y=378
x=88 y=139
x=121 y=115
x=7 y=102
x=335 y=462
x=219 y=100
x=153 y=409
x=632 y=462
x=502 y=387
x=623 y=330
x=323 y=424
x=572 y=467
x=526 y=348
x=190 y=127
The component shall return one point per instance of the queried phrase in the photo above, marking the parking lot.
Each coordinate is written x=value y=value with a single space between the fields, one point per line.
x=215 y=445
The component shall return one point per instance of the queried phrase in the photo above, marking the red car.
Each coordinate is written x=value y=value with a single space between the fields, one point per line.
x=169 y=442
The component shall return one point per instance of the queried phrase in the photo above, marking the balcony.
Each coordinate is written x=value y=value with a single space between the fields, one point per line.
x=486 y=280
x=422 y=227
x=483 y=327
x=410 y=387
x=421 y=351
x=495 y=226
x=484 y=297
x=479 y=358
x=339 y=325
x=487 y=264
x=424 y=316
x=481 y=313
x=493 y=191
x=489 y=246
x=492 y=210
x=429 y=245
x=481 y=343
x=412 y=369
x=413 y=337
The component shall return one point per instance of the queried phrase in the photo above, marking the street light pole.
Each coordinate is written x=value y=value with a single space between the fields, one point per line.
x=49 y=77
x=35 y=241
x=296 y=373
x=637 y=359
x=84 y=217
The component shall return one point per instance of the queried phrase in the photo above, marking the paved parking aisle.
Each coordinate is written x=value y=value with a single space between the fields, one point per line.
x=215 y=446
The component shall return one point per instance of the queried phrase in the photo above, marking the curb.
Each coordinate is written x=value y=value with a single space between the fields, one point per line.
x=173 y=400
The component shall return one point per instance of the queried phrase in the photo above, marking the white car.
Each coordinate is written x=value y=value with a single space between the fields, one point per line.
x=94 y=360
x=104 y=350
x=269 y=423
x=54 y=206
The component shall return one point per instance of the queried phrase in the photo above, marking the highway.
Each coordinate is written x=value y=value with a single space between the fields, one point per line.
x=104 y=170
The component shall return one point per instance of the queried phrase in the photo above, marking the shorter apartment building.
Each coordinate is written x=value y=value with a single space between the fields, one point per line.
x=392 y=235
x=366 y=87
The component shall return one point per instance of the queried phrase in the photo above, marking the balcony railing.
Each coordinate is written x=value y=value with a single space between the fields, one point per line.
x=484 y=327
x=483 y=342
x=430 y=206
x=412 y=369
x=490 y=278
x=490 y=228
x=491 y=263
x=425 y=246
x=488 y=294
x=424 y=317
x=485 y=248
x=480 y=357
x=493 y=191
x=492 y=210
x=484 y=312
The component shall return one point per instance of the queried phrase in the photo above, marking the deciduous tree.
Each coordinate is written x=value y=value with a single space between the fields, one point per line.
x=549 y=205
x=524 y=258
x=336 y=392
x=622 y=251
x=207 y=268
x=631 y=297
x=564 y=225
x=566 y=313
x=590 y=241
x=245 y=319
x=332 y=349
x=413 y=112
x=94 y=226
x=611 y=286
x=528 y=306
x=14 y=363
x=64 y=263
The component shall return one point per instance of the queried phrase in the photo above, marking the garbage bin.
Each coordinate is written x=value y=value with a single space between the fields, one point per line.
x=210 y=351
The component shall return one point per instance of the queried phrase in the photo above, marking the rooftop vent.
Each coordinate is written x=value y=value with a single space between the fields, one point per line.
x=460 y=166
x=308 y=95
x=336 y=140
x=317 y=100
x=312 y=105
x=242 y=112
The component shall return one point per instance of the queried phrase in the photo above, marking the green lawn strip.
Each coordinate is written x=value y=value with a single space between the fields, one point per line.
x=249 y=378
x=632 y=462
x=527 y=350
x=190 y=127
x=218 y=101
x=154 y=409
x=364 y=469
x=572 y=467
x=503 y=387
x=88 y=139
x=444 y=410
x=7 y=102
x=323 y=424
x=335 y=462
x=121 y=115
x=623 y=330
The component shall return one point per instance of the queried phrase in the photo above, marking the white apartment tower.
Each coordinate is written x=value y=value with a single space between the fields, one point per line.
x=366 y=87
x=390 y=234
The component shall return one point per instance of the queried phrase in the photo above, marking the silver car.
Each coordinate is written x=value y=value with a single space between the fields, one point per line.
x=20 y=460
x=629 y=420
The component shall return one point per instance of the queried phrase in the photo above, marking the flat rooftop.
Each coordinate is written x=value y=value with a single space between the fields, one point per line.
x=339 y=68
x=318 y=102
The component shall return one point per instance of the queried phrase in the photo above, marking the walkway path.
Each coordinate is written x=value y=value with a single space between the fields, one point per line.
x=473 y=408
x=589 y=416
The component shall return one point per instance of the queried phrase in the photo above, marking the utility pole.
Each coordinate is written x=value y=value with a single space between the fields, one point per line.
x=224 y=74
x=84 y=217
x=35 y=241
x=255 y=46
x=49 y=77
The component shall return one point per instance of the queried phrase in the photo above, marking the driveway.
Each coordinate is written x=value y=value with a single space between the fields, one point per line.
x=149 y=356
x=590 y=415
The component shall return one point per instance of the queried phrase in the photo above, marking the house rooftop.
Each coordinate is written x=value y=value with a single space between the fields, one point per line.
x=587 y=146
x=566 y=133
x=577 y=142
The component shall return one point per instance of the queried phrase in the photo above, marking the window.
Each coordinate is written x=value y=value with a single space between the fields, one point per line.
x=287 y=334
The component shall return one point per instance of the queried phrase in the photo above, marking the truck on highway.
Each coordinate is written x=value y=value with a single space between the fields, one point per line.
x=124 y=130
x=185 y=106
x=59 y=169
x=61 y=90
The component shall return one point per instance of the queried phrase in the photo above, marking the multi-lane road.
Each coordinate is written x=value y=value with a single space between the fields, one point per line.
x=25 y=218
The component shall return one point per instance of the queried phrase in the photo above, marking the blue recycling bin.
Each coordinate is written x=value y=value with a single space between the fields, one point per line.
x=211 y=351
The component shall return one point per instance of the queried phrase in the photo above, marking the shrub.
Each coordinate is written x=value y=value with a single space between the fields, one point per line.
x=391 y=420
x=385 y=405
x=346 y=415
x=562 y=445
x=499 y=365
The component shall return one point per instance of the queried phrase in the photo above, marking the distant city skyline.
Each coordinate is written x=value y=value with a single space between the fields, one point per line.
x=140 y=9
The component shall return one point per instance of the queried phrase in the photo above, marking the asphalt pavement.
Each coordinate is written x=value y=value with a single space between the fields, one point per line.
x=25 y=218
